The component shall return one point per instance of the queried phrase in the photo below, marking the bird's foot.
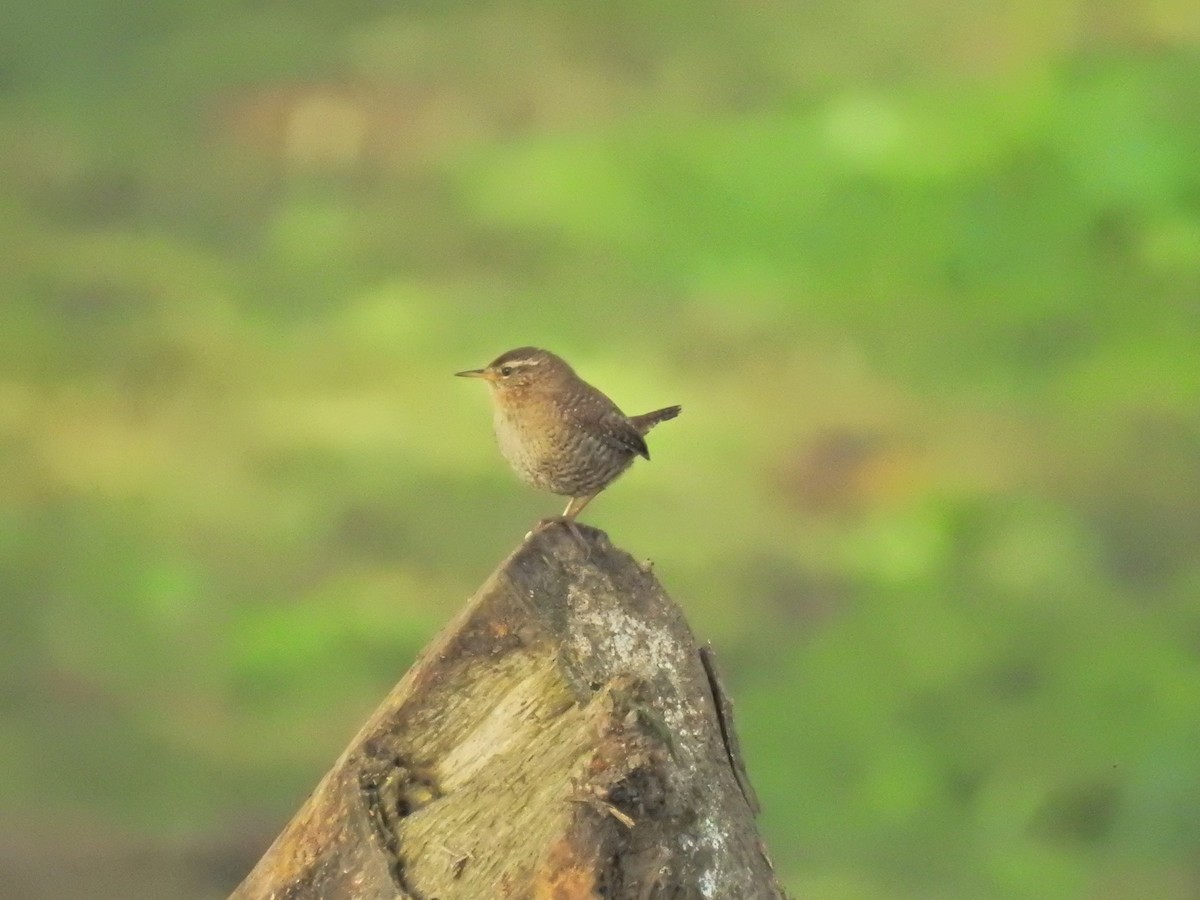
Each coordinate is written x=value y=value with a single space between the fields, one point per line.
x=576 y=534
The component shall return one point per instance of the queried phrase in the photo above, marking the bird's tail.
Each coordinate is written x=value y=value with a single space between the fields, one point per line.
x=646 y=421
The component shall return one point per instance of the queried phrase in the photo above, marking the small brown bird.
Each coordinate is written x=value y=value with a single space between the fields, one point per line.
x=558 y=432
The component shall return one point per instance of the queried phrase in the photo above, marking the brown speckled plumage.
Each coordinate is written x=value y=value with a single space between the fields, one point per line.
x=558 y=432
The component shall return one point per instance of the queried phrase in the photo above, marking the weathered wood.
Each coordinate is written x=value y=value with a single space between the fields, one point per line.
x=560 y=740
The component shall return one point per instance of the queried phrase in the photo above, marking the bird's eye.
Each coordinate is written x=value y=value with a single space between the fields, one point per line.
x=506 y=371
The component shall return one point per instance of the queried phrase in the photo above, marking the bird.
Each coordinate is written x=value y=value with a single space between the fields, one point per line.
x=558 y=432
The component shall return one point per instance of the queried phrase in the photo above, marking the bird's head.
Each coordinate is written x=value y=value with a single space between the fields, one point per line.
x=521 y=370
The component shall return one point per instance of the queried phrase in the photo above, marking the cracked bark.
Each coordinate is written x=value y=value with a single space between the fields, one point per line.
x=564 y=738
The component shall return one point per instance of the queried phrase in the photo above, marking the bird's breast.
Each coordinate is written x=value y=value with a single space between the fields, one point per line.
x=521 y=445
x=553 y=454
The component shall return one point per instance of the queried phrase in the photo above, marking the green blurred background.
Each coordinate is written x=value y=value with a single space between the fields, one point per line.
x=924 y=276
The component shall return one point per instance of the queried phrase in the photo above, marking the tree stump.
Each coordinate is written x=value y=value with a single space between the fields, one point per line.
x=563 y=738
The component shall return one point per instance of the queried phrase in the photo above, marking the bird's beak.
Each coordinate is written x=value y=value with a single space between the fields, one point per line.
x=472 y=373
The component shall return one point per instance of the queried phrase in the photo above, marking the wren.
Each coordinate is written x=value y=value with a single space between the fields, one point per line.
x=558 y=432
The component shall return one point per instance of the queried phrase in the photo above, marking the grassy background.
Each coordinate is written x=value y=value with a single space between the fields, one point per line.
x=925 y=277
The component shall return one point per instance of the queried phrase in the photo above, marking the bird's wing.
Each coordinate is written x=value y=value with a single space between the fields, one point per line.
x=604 y=422
x=620 y=432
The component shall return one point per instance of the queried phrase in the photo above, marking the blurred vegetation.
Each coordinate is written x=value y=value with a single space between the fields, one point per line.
x=925 y=277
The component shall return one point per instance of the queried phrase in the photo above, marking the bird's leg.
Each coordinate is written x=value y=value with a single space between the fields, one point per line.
x=574 y=508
